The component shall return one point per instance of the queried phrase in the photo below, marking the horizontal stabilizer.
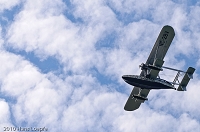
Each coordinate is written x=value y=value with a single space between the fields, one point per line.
x=188 y=75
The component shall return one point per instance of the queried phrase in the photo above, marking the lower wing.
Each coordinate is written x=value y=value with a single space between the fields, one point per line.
x=134 y=103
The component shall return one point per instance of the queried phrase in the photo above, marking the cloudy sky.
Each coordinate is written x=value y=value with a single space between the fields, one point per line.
x=61 y=63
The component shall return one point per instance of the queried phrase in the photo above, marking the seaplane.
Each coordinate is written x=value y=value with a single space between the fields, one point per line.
x=149 y=77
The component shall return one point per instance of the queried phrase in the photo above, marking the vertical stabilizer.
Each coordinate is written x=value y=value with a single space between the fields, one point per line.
x=188 y=75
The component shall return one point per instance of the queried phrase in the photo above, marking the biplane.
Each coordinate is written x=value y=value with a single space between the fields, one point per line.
x=149 y=77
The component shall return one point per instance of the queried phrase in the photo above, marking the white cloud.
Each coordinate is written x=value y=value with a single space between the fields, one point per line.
x=1 y=39
x=188 y=124
x=95 y=112
x=72 y=44
x=40 y=105
x=77 y=101
x=139 y=8
x=17 y=75
x=8 y=4
x=5 y=114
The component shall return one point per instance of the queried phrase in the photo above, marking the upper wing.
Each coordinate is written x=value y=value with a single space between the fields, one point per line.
x=156 y=57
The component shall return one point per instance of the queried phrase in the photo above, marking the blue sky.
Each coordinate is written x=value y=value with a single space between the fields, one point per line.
x=62 y=62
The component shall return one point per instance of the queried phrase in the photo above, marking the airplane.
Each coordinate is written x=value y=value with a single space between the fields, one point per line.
x=149 y=77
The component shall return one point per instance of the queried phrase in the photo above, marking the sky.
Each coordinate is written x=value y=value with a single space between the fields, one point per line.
x=62 y=63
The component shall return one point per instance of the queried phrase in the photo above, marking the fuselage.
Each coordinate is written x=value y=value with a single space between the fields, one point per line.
x=146 y=83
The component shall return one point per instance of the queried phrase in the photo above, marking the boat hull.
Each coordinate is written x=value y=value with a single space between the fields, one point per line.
x=146 y=83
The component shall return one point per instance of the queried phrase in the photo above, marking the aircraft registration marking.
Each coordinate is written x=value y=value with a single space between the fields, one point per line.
x=164 y=38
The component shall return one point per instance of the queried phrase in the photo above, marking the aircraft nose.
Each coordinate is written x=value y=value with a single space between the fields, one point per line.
x=124 y=77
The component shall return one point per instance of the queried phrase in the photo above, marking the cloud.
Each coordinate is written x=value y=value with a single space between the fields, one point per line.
x=5 y=114
x=17 y=75
x=1 y=40
x=7 y=5
x=93 y=108
x=96 y=41
x=69 y=42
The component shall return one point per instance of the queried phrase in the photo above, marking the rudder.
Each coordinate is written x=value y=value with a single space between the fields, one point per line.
x=188 y=75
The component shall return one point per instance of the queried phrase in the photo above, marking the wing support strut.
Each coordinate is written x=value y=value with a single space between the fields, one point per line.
x=139 y=96
x=176 y=78
x=188 y=75
x=173 y=69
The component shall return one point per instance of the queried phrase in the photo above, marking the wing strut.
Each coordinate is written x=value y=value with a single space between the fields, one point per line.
x=176 y=78
x=173 y=69
x=139 y=96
